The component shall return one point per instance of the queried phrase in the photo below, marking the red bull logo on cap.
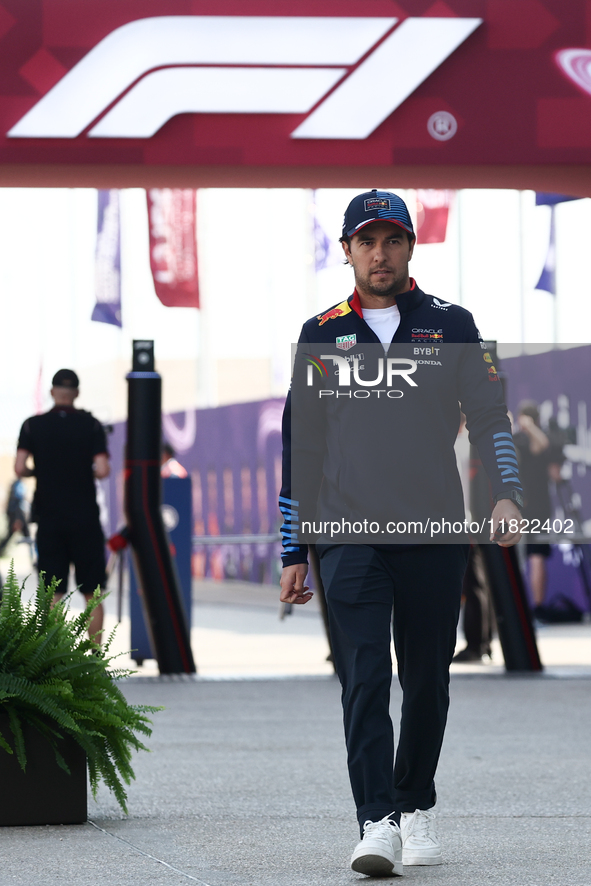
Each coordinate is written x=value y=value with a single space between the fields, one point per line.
x=338 y=311
x=377 y=203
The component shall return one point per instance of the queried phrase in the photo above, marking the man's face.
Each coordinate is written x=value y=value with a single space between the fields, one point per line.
x=380 y=253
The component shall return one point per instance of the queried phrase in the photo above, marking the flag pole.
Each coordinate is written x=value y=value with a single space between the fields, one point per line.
x=459 y=234
x=521 y=272
x=555 y=293
x=310 y=251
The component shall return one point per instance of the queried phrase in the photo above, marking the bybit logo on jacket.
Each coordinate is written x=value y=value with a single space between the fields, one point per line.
x=387 y=370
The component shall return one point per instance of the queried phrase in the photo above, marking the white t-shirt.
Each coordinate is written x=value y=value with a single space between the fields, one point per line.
x=383 y=321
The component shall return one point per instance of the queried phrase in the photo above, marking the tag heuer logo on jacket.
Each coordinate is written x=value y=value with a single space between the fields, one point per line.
x=344 y=342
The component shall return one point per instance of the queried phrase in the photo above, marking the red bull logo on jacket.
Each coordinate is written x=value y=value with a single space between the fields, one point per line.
x=338 y=311
x=418 y=333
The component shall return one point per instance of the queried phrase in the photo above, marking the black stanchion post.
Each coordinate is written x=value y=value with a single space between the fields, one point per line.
x=163 y=609
x=516 y=632
x=514 y=624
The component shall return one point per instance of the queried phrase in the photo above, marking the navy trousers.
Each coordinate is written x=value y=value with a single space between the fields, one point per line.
x=423 y=587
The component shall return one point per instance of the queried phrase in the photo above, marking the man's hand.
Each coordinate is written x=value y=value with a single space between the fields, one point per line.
x=20 y=464
x=506 y=511
x=292 y=581
x=101 y=466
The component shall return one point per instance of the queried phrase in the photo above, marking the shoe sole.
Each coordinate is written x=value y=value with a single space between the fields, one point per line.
x=410 y=859
x=377 y=866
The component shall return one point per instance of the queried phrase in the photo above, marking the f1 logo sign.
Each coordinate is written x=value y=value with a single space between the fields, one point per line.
x=149 y=70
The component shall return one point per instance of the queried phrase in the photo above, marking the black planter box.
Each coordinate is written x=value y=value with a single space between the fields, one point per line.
x=44 y=794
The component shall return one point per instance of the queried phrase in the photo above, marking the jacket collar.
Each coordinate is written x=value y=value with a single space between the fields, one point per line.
x=406 y=301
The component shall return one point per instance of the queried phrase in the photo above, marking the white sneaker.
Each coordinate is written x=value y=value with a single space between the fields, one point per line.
x=379 y=854
x=420 y=843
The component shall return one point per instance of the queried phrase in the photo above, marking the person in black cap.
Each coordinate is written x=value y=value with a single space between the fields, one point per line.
x=364 y=582
x=540 y=461
x=69 y=450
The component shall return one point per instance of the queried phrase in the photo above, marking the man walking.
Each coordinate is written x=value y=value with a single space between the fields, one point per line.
x=69 y=450
x=421 y=582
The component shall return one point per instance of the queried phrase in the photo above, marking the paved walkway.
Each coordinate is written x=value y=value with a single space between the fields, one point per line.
x=246 y=784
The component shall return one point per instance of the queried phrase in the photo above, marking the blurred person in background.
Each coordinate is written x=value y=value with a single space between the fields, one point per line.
x=540 y=461
x=169 y=466
x=69 y=451
x=476 y=600
x=16 y=514
x=17 y=509
x=478 y=611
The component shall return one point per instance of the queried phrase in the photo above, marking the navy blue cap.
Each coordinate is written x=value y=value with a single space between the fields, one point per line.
x=376 y=206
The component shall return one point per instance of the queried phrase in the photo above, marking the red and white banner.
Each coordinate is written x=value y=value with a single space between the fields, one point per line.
x=432 y=214
x=172 y=217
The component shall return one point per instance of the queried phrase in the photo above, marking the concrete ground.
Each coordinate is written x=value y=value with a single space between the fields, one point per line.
x=246 y=781
x=246 y=786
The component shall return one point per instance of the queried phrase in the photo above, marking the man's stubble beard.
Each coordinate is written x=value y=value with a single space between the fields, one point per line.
x=397 y=285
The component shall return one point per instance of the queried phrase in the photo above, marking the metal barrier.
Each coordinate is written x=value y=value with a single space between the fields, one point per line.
x=208 y=540
x=284 y=608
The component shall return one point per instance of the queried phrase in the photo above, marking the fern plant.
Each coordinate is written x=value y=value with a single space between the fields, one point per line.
x=53 y=677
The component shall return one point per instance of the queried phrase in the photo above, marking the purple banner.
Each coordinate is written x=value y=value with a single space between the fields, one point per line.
x=233 y=454
x=108 y=260
x=558 y=381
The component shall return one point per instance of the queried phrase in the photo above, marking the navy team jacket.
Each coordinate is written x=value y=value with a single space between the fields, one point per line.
x=470 y=380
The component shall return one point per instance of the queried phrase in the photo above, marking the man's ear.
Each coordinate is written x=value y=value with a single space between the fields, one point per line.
x=411 y=247
x=347 y=251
